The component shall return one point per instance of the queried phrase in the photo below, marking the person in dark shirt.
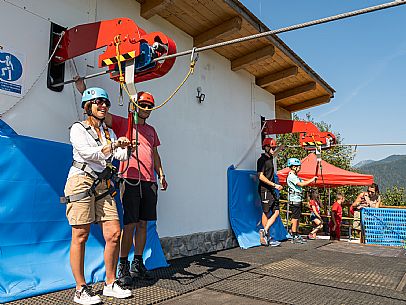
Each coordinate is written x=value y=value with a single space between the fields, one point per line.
x=266 y=190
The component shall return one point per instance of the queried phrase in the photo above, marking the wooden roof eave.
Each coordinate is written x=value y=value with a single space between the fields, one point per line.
x=277 y=68
x=277 y=42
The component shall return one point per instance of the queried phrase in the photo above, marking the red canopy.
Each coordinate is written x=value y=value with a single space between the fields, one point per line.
x=332 y=176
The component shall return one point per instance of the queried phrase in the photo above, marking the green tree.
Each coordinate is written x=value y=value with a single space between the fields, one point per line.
x=394 y=196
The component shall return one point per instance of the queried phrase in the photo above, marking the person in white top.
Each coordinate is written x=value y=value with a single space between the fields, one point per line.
x=89 y=194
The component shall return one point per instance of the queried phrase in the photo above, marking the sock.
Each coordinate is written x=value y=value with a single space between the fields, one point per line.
x=123 y=260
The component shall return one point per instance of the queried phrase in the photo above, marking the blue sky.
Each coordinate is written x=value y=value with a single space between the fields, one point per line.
x=363 y=58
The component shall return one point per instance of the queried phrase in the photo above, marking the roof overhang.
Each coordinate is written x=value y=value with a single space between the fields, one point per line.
x=276 y=68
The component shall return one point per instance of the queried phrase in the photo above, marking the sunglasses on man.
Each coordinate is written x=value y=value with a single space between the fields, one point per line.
x=100 y=101
x=146 y=106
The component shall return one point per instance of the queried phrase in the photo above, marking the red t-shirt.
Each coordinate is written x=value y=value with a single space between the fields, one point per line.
x=338 y=211
x=313 y=203
x=148 y=140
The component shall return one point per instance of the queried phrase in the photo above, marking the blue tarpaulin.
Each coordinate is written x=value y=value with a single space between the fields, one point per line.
x=34 y=232
x=244 y=208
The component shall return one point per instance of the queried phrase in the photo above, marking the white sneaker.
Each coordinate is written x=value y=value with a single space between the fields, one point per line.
x=273 y=242
x=115 y=290
x=86 y=296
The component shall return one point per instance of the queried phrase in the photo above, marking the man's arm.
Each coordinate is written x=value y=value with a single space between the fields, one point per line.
x=277 y=150
x=80 y=84
x=158 y=168
x=265 y=180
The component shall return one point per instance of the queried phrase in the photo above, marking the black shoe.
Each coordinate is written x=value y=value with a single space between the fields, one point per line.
x=124 y=276
x=139 y=271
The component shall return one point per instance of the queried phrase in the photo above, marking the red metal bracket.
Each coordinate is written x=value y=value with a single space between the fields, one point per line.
x=310 y=136
x=92 y=36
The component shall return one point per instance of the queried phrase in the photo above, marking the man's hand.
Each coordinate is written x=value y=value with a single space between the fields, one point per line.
x=334 y=227
x=80 y=84
x=278 y=187
x=164 y=184
x=122 y=142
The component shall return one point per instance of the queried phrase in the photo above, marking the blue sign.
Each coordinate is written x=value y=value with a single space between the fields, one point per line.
x=11 y=68
x=11 y=72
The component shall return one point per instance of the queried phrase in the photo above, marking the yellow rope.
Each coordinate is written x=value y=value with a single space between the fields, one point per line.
x=117 y=42
x=191 y=70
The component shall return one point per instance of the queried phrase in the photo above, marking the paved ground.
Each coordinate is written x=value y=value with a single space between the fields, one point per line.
x=318 y=272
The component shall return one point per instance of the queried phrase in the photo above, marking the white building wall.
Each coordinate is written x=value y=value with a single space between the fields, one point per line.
x=199 y=141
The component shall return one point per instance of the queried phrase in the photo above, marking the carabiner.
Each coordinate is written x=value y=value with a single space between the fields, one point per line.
x=194 y=57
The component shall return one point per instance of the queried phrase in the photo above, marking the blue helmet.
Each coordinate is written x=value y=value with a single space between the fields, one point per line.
x=294 y=162
x=93 y=93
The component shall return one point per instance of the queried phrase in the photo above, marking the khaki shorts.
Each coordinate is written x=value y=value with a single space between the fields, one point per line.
x=357 y=220
x=87 y=210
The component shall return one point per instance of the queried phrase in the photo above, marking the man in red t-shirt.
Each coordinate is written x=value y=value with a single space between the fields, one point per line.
x=336 y=217
x=139 y=196
x=139 y=192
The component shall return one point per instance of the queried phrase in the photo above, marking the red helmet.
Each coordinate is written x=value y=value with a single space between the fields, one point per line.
x=145 y=98
x=269 y=142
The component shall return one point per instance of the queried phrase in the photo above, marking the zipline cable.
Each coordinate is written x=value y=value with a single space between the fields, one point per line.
x=264 y=34
x=289 y=28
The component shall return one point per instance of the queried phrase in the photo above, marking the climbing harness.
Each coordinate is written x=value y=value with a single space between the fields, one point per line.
x=109 y=174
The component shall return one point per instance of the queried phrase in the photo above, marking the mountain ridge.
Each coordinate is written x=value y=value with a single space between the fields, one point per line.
x=388 y=172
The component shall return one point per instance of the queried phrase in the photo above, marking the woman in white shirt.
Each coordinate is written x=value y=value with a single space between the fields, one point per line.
x=94 y=148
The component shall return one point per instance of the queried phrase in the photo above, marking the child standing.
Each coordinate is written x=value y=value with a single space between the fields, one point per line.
x=336 y=217
x=295 y=185
x=314 y=203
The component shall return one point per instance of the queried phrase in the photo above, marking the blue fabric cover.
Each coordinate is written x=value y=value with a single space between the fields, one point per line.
x=244 y=208
x=35 y=234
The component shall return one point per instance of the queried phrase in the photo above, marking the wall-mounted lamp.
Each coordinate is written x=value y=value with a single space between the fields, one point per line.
x=200 y=96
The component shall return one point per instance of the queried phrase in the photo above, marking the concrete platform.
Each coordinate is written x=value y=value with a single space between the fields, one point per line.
x=318 y=272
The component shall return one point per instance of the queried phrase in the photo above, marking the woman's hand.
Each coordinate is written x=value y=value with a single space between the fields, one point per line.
x=122 y=142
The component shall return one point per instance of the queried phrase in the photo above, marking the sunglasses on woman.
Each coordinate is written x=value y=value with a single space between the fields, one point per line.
x=100 y=101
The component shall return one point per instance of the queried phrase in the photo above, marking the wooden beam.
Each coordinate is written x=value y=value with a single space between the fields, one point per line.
x=295 y=91
x=275 y=77
x=151 y=7
x=252 y=58
x=238 y=7
x=282 y=113
x=218 y=32
x=324 y=99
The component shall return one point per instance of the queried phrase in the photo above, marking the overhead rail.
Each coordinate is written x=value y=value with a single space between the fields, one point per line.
x=264 y=34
